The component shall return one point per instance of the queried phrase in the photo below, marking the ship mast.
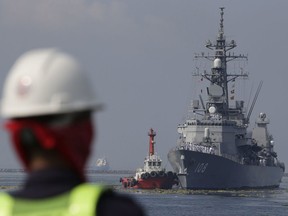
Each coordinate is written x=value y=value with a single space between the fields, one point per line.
x=218 y=91
x=151 y=134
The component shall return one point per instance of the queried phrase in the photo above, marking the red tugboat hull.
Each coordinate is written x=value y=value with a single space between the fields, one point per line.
x=158 y=182
x=153 y=183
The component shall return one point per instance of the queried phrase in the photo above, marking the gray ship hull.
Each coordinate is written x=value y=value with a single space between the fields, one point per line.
x=198 y=170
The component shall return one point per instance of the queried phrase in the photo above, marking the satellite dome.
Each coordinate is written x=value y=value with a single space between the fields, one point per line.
x=217 y=63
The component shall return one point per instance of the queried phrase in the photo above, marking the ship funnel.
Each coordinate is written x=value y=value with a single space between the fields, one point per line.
x=217 y=63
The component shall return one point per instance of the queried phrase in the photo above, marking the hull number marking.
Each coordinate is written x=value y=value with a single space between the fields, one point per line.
x=201 y=167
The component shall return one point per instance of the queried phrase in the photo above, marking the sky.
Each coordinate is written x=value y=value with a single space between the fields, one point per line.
x=139 y=57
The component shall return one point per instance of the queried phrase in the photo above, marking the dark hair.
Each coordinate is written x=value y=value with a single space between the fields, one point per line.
x=63 y=117
x=30 y=144
x=29 y=141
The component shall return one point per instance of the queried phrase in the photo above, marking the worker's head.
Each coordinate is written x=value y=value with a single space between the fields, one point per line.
x=48 y=102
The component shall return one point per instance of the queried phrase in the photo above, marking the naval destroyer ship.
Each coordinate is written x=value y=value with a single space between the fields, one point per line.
x=216 y=149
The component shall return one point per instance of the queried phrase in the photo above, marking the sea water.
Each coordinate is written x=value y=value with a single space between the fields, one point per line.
x=260 y=202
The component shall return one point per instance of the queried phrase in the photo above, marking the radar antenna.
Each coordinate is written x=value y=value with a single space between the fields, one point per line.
x=219 y=78
x=221 y=30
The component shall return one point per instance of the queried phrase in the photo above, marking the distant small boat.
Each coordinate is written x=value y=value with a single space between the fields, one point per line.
x=152 y=175
x=102 y=164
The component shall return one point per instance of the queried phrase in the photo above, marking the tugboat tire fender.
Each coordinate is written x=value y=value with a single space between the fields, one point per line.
x=147 y=175
x=153 y=174
x=170 y=174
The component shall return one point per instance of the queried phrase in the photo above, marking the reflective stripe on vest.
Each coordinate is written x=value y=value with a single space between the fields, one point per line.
x=81 y=201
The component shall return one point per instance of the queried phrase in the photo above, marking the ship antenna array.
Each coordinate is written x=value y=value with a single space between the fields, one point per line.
x=221 y=30
x=254 y=101
x=221 y=47
x=202 y=103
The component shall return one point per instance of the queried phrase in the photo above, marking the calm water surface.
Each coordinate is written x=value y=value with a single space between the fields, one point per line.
x=160 y=203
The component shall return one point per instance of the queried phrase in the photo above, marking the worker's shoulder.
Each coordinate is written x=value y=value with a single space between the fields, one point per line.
x=113 y=203
x=110 y=202
x=5 y=199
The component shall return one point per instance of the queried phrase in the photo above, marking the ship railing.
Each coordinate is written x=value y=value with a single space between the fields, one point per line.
x=197 y=148
x=207 y=150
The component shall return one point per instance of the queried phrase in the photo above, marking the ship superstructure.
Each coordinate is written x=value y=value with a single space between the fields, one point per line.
x=215 y=149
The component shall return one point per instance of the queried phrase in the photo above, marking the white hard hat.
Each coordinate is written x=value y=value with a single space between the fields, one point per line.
x=46 y=81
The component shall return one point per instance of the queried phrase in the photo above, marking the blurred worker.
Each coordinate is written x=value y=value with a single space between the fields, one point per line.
x=48 y=104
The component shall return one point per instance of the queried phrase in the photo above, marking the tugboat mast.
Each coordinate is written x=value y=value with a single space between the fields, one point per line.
x=151 y=134
x=219 y=78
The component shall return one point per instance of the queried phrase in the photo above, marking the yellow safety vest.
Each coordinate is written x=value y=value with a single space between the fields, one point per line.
x=81 y=201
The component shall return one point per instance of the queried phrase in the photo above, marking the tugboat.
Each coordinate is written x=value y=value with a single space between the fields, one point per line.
x=216 y=149
x=152 y=175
